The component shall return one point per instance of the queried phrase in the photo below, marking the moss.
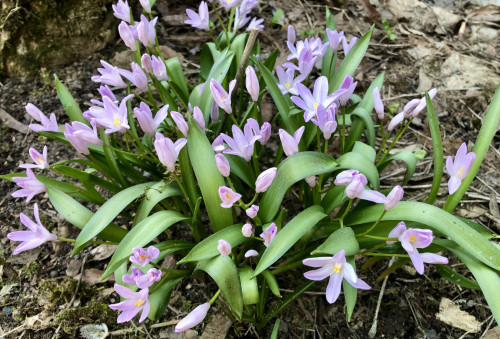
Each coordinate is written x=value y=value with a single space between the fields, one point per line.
x=93 y=312
x=29 y=271
x=60 y=292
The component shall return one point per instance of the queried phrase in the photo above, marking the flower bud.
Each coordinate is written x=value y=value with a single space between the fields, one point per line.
x=180 y=122
x=146 y=62
x=291 y=34
x=251 y=253
x=195 y=317
x=222 y=165
x=265 y=179
x=247 y=230
x=198 y=117
x=311 y=181
x=252 y=83
x=394 y=197
x=126 y=35
x=265 y=133
x=224 y=247
x=378 y=104
x=252 y=211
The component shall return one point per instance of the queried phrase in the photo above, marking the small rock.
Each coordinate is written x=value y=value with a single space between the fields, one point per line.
x=7 y=310
x=53 y=273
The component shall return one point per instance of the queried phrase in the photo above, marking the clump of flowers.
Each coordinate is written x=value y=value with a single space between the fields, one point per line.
x=159 y=151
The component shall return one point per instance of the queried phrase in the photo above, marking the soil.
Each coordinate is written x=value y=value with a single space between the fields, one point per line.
x=443 y=44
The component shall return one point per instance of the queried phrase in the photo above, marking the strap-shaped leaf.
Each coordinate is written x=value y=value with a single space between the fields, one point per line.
x=141 y=235
x=291 y=170
x=437 y=150
x=209 y=53
x=488 y=279
x=159 y=299
x=223 y=270
x=209 y=179
x=176 y=76
x=249 y=287
x=409 y=159
x=153 y=196
x=449 y=225
x=208 y=247
x=456 y=278
x=342 y=239
x=364 y=149
x=69 y=103
x=238 y=46
x=271 y=282
x=349 y=64
x=78 y=215
x=107 y=213
x=360 y=163
x=241 y=169
x=350 y=292
x=289 y=235
x=334 y=198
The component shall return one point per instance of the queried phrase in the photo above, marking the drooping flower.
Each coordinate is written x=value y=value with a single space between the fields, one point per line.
x=222 y=165
x=287 y=82
x=142 y=257
x=39 y=159
x=378 y=104
x=131 y=278
x=265 y=179
x=269 y=234
x=199 y=20
x=122 y=10
x=252 y=83
x=195 y=317
x=127 y=35
x=146 y=31
x=146 y=280
x=81 y=135
x=146 y=5
x=356 y=183
x=47 y=124
x=224 y=247
x=309 y=102
x=145 y=117
x=135 y=302
x=168 y=151
x=337 y=268
x=228 y=197
x=264 y=131
x=180 y=122
x=30 y=186
x=291 y=144
x=221 y=97
x=413 y=238
x=459 y=168
x=421 y=105
x=137 y=77
x=348 y=45
x=36 y=236
x=110 y=75
x=325 y=120
x=252 y=211
x=251 y=253
x=241 y=144
x=112 y=116
x=334 y=38
x=394 y=197
x=349 y=85
x=159 y=68
x=411 y=109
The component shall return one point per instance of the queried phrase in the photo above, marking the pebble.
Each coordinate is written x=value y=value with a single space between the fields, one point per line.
x=53 y=273
x=7 y=310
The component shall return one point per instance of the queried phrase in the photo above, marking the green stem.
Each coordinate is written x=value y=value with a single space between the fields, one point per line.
x=380 y=238
x=214 y=297
x=286 y=268
x=96 y=242
x=387 y=255
x=213 y=38
x=181 y=186
x=233 y=119
x=341 y=220
x=373 y=226
x=400 y=133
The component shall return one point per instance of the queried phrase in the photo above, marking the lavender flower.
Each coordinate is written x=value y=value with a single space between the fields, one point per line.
x=218 y=144
x=256 y=23
x=224 y=247
x=269 y=234
x=214 y=112
x=39 y=159
x=127 y=35
x=146 y=31
x=394 y=197
x=459 y=168
x=334 y=39
x=110 y=75
x=347 y=46
x=195 y=317
x=291 y=34
x=221 y=97
x=159 y=68
x=378 y=104
x=413 y=238
x=251 y=253
x=142 y=257
x=317 y=47
x=137 y=77
x=222 y=165
x=146 y=63
x=200 y=20
x=247 y=230
x=349 y=86
x=306 y=62
x=168 y=151
x=264 y=132
x=356 y=182
x=198 y=117
x=146 y=280
x=240 y=19
x=30 y=186
x=287 y=82
x=81 y=135
x=265 y=179
x=228 y=4
x=146 y=5
x=411 y=109
x=131 y=278
x=135 y=303
x=309 y=102
x=180 y=122
x=337 y=268
x=122 y=10
x=252 y=211
x=145 y=117
x=421 y=105
x=241 y=144
x=36 y=236
x=291 y=144
x=252 y=83
x=112 y=116
x=326 y=120
x=104 y=91
x=228 y=197
x=47 y=124
x=311 y=181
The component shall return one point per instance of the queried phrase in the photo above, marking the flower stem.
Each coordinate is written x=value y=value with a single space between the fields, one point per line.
x=400 y=133
x=341 y=220
x=96 y=242
x=214 y=297
x=387 y=255
x=373 y=226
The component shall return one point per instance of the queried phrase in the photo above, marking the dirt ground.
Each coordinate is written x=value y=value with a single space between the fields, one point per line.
x=451 y=45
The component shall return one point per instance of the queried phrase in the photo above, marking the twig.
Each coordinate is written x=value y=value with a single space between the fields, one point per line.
x=244 y=58
x=487 y=327
x=373 y=330
x=79 y=281
x=168 y=323
x=439 y=90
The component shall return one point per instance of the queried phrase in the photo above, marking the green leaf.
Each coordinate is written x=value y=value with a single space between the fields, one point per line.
x=487 y=278
x=188 y=178
x=70 y=105
x=291 y=170
x=141 y=235
x=349 y=64
x=330 y=21
x=456 y=278
x=409 y=159
x=111 y=159
x=334 y=198
x=271 y=282
x=107 y=213
x=209 y=53
x=350 y=292
x=442 y=221
x=361 y=119
x=249 y=287
x=240 y=168
x=360 y=163
x=164 y=93
x=208 y=247
x=289 y=235
x=341 y=239
x=276 y=327
x=209 y=179
x=159 y=299
x=277 y=18
x=176 y=75
x=437 y=150
x=364 y=149
x=153 y=196
x=238 y=46
x=78 y=215
x=223 y=270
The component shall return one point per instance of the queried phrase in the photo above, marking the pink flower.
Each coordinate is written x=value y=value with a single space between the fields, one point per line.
x=394 y=197
x=265 y=179
x=378 y=104
x=168 y=151
x=252 y=211
x=122 y=10
x=110 y=75
x=194 y=317
x=337 y=268
x=198 y=117
x=136 y=302
x=291 y=144
x=39 y=159
x=148 y=279
x=247 y=230
x=142 y=257
x=159 y=68
x=251 y=253
x=81 y=135
x=36 y=236
x=146 y=31
x=47 y=124
x=228 y=197
x=459 y=168
x=180 y=122
x=201 y=19
x=224 y=247
x=113 y=116
x=222 y=165
x=30 y=186
x=131 y=278
x=252 y=83
x=221 y=97
x=269 y=234
x=146 y=5
x=356 y=182
x=146 y=120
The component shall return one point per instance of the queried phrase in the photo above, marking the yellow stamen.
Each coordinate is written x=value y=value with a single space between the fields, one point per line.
x=116 y=122
x=287 y=85
x=139 y=303
x=40 y=160
x=459 y=174
x=316 y=105
x=142 y=257
x=337 y=268
x=223 y=98
x=227 y=195
x=228 y=2
x=412 y=238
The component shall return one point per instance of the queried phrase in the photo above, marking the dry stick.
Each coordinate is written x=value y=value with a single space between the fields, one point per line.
x=132 y=329
x=373 y=330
